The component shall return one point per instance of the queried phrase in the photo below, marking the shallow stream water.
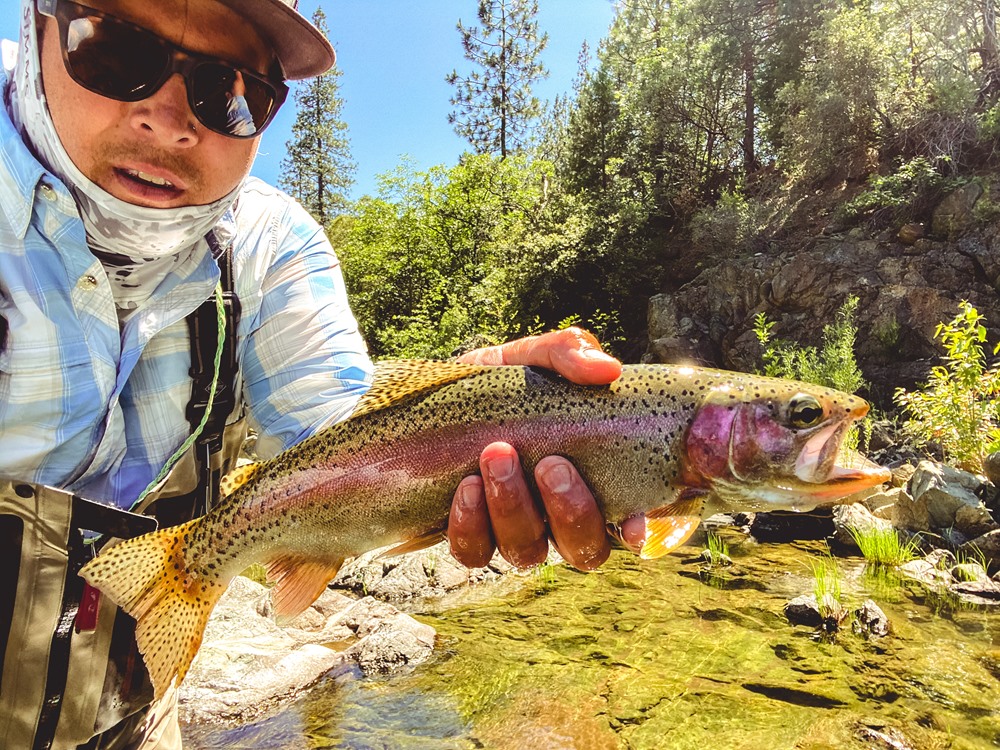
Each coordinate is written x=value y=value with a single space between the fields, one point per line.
x=665 y=654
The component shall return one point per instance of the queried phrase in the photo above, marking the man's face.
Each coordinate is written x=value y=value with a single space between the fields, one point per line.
x=131 y=148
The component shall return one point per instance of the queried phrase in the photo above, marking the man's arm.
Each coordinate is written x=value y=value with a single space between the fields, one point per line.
x=497 y=511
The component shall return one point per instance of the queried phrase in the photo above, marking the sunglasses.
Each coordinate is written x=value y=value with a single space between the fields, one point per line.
x=128 y=63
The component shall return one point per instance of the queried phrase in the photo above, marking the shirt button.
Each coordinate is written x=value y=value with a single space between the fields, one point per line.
x=48 y=192
x=88 y=282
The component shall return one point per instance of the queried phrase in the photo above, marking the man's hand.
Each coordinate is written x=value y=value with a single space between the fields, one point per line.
x=497 y=511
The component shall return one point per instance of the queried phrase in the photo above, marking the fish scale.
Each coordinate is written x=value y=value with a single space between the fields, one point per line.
x=662 y=440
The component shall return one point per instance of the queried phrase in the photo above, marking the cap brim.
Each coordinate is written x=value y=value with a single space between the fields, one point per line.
x=301 y=49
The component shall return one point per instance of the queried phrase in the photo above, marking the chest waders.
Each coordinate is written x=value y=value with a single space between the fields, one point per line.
x=71 y=675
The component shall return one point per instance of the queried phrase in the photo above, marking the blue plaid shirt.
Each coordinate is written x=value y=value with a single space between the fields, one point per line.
x=97 y=407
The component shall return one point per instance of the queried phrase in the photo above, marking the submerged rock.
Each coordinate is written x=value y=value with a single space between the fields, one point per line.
x=248 y=666
x=869 y=619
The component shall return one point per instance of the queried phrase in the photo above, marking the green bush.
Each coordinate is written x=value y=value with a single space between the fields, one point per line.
x=832 y=365
x=901 y=196
x=957 y=408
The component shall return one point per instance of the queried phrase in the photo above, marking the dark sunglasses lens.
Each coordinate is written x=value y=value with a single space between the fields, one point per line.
x=113 y=59
x=229 y=102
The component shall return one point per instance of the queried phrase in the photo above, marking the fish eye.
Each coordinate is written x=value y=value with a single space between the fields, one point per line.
x=805 y=411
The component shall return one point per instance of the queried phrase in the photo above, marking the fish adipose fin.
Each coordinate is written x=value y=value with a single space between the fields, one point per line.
x=416 y=544
x=667 y=528
x=399 y=379
x=148 y=578
x=298 y=582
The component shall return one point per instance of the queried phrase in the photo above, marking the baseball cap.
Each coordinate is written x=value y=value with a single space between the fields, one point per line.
x=300 y=47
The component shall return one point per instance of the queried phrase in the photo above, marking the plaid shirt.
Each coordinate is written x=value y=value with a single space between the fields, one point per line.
x=97 y=407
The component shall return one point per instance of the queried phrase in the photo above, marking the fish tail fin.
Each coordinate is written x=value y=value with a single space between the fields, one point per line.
x=148 y=577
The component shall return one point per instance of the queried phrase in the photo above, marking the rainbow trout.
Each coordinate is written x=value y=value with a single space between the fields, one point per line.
x=661 y=440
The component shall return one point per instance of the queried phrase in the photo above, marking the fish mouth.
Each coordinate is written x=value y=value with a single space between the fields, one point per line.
x=817 y=464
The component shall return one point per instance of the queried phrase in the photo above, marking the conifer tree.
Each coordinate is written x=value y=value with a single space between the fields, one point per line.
x=494 y=106
x=318 y=169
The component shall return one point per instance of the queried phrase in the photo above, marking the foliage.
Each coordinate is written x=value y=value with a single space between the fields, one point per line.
x=958 y=407
x=318 y=170
x=903 y=194
x=833 y=365
x=882 y=545
x=494 y=106
x=718 y=550
x=727 y=226
x=826 y=586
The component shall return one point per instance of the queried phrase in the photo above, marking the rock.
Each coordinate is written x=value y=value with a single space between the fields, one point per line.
x=806 y=610
x=954 y=214
x=991 y=468
x=787 y=526
x=854 y=517
x=248 y=666
x=927 y=573
x=429 y=572
x=969 y=572
x=909 y=233
x=871 y=620
x=949 y=495
x=988 y=545
x=981 y=593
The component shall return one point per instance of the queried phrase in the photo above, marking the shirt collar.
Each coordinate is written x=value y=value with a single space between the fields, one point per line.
x=20 y=171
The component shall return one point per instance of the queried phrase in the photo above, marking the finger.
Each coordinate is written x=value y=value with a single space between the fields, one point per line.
x=469 y=531
x=576 y=522
x=633 y=532
x=518 y=526
x=572 y=352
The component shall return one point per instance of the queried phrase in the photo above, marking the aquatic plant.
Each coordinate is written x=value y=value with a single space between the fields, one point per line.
x=883 y=545
x=826 y=587
x=718 y=550
x=959 y=406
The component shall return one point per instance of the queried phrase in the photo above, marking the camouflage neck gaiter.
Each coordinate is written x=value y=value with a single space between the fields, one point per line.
x=120 y=233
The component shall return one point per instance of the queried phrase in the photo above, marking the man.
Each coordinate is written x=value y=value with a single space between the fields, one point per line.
x=125 y=190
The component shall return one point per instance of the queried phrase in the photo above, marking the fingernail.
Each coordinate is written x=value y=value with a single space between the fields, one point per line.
x=501 y=469
x=590 y=353
x=556 y=477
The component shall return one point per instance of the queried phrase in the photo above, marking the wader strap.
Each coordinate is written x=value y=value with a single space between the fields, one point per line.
x=203 y=327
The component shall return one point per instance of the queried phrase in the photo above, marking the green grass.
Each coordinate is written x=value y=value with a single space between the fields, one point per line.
x=826 y=586
x=883 y=546
x=717 y=547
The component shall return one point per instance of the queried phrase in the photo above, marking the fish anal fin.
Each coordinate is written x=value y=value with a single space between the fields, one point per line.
x=428 y=539
x=668 y=527
x=399 y=379
x=148 y=578
x=298 y=582
x=237 y=477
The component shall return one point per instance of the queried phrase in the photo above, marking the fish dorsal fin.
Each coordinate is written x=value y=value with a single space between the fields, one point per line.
x=298 y=582
x=399 y=379
x=667 y=528
x=237 y=477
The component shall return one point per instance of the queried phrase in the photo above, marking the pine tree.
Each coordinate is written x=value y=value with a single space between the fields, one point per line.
x=318 y=169
x=494 y=106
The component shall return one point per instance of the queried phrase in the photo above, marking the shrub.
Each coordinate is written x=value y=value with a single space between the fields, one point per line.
x=957 y=408
x=832 y=365
x=901 y=196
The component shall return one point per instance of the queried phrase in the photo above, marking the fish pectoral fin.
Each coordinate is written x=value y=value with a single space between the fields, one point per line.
x=413 y=545
x=236 y=478
x=667 y=528
x=298 y=582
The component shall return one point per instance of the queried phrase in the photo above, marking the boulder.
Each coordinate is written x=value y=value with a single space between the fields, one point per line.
x=852 y=518
x=248 y=666
x=950 y=498
x=869 y=619
x=909 y=233
x=954 y=215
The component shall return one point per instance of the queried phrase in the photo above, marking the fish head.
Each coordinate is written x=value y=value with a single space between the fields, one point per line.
x=769 y=444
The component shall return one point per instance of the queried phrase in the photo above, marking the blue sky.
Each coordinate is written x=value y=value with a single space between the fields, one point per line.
x=395 y=55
